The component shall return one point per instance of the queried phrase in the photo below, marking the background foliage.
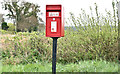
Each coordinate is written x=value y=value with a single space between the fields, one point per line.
x=24 y=14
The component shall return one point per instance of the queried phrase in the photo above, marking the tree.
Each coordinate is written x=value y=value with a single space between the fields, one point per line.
x=24 y=13
x=1 y=20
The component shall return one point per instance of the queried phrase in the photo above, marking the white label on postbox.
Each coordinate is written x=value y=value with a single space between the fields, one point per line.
x=53 y=26
x=53 y=13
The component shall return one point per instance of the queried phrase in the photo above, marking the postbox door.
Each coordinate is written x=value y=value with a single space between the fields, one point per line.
x=54 y=26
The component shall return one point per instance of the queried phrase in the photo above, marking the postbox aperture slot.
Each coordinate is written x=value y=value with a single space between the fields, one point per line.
x=53 y=10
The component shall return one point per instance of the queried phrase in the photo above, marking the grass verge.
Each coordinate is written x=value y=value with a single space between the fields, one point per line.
x=82 y=66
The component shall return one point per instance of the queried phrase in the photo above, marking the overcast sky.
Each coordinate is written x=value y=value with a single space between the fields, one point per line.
x=73 y=5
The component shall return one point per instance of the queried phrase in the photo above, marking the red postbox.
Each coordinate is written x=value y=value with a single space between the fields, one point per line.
x=54 y=21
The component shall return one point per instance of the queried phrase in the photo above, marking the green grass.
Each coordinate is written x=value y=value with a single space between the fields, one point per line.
x=82 y=66
x=0 y=67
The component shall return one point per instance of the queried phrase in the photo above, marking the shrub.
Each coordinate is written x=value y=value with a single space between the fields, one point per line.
x=6 y=32
x=75 y=46
x=26 y=47
x=11 y=27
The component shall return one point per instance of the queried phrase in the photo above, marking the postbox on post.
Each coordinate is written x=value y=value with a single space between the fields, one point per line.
x=54 y=28
x=54 y=21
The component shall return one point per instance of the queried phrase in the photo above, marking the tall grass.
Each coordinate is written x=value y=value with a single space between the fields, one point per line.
x=95 y=38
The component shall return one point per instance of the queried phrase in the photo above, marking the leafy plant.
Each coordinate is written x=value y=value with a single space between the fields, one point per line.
x=11 y=27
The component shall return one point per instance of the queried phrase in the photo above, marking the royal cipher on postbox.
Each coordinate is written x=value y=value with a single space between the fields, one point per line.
x=54 y=21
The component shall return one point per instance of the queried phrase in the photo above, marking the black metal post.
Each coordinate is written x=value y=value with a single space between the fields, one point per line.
x=54 y=55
